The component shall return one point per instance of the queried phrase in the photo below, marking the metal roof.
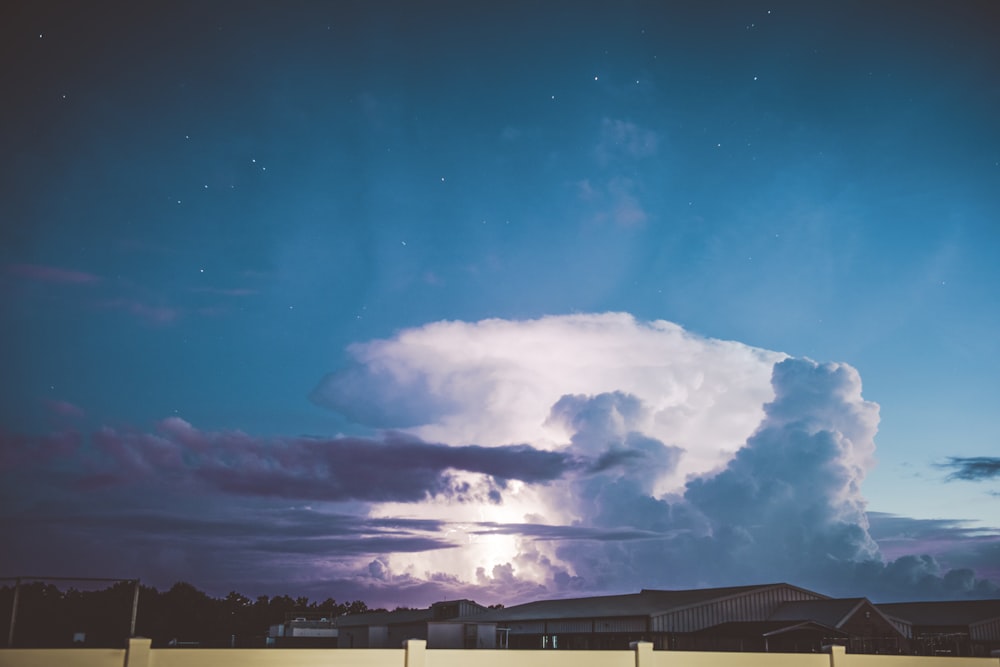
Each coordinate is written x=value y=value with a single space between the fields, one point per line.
x=964 y=612
x=832 y=612
x=399 y=616
x=645 y=603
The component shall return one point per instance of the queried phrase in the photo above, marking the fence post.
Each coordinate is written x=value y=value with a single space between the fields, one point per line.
x=135 y=608
x=416 y=652
x=13 y=614
x=643 y=653
x=838 y=655
x=137 y=653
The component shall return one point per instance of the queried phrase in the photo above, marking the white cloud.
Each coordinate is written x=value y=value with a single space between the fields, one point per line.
x=694 y=401
x=495 y=382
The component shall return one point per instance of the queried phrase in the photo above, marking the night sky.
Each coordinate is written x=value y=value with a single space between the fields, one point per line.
x=411 y=301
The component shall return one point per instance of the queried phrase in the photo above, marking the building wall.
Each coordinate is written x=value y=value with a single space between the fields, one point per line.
x=456 y=634
x=445 y=635
x=314 y=632
x=354 y=637
x=986 y=631
x=870 y=632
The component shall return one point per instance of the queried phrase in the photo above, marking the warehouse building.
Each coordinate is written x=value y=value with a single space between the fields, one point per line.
x=389 y=629
x=772 y=618
x=668 y=619
x=303 y=631
x=961 y=628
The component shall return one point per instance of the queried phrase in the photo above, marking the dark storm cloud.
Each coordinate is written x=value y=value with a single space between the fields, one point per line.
x=974 y=468
x=392 y=468
x=884 y=527
x=615 y=458
x=228 y=545
x=953 y=544
x=352 y=546
x=562 y=533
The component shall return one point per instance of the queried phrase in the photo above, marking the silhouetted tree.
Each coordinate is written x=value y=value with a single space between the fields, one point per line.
x=50 y=617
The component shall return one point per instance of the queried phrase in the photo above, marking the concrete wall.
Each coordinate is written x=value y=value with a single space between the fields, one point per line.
x=139 y=654
x=71 y=657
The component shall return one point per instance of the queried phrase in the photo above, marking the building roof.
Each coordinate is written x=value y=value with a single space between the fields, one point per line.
x=403 y=616
x=647 y=602
x=399 y=616
x=833 y=612
x=964 y=612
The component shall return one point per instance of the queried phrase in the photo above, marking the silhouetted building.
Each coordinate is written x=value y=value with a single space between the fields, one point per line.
x=958 y=628
x=807 y=626
x=668 y=619
x=766 y=618
x=389 y=629
x=303 y=631
x=772 y=617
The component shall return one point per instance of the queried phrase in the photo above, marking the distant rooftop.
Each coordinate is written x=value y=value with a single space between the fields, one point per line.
x=645 y=603
x=963 y=612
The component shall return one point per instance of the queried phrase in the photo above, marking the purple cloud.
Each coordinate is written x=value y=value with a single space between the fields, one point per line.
x=52 y=274
x=17 y=450
x=65 y=409
x=394 y=468
x=150 y=314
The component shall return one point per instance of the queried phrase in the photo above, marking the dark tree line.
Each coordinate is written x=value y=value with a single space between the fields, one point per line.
x=50 y=617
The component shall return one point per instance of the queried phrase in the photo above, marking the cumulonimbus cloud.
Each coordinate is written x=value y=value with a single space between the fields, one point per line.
x=610 y=455
x=495 y=382
x=730 y=463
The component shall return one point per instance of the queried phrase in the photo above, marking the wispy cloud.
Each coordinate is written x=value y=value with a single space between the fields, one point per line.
x=19 y=450
x=974 y=468
x=52 y=274
x=622 y=139
x=65 y=409
x=155 y=315
x=226 y=291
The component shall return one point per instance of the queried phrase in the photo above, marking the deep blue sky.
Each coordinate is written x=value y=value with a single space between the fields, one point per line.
x=205 y=204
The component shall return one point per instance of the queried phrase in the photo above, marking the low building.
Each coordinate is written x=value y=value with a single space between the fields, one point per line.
x=968 y=628
x=668 y=619
x=303 y=631
x=389 y=629
x=767 y=618
x=772 y=617
x=806 y=626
